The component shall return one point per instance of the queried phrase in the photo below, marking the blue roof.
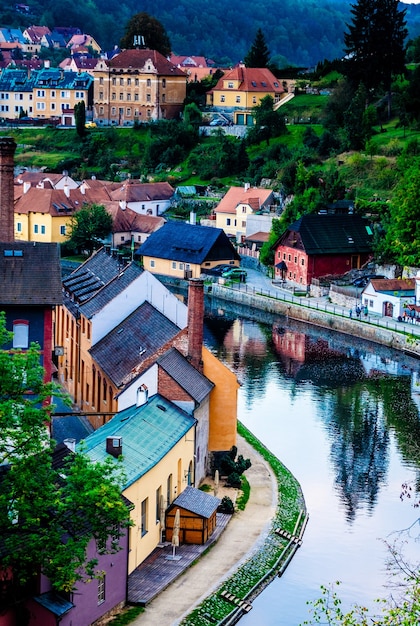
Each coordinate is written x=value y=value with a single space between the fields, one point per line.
x=54 y=603
x=148 y=433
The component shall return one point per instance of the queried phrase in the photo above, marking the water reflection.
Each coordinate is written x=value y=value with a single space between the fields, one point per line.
x=343 y=415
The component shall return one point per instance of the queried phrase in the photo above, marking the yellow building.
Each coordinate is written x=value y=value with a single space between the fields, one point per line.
x=156 y=443
x=241 y=89
x=137 y=86
x=238 y=203
x=56 y=92
x=186 y=250
x=44 y=214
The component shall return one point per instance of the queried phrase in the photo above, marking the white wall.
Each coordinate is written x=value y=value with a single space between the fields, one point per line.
x=145 y=288
x=149 y=378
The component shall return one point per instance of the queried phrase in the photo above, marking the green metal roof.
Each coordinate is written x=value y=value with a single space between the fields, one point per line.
x=148 y=433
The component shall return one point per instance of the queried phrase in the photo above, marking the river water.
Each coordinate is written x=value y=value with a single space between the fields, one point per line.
x=343 y=415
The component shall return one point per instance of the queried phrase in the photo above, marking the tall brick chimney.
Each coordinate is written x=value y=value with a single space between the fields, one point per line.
x=195 y=322
x=7 y=221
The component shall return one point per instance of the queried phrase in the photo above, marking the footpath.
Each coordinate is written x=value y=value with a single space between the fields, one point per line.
x=242 y=537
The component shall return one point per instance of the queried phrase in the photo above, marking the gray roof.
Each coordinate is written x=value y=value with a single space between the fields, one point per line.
x=30 y=274
x=189 y=243
x=190 y=379
x=196 y=501
x=98 y=281
x=133 y=341
x=332 y=234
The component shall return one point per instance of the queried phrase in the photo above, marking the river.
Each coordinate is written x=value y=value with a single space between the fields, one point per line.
x=343 y=415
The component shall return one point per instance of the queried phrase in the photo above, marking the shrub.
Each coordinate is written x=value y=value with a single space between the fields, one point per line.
x=226 y=505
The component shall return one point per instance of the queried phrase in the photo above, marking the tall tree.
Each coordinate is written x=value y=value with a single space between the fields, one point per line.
x=80 y=118
x=150 y=31
x=375 y=43
x=46 y=510
x=258 y=55
x=89 y=226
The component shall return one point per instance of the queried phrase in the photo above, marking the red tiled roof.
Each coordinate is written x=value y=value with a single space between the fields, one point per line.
x=142 y=192
x=136 y=59
x=253 y=79
x=255 y=197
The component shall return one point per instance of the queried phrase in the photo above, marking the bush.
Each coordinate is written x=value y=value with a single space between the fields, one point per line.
x=226 y=506
x=234 y=480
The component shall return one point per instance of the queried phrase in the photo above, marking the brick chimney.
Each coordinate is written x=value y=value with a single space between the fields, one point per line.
x=195 y=322
x=7 y=218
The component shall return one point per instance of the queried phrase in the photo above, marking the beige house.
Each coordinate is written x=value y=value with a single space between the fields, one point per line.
x=241 y=89
x=238 y=204
x=137 y=86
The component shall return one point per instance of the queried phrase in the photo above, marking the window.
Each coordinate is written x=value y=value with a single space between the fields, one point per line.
x=19 y=227
x=148 y=82
x=101 y=95
x=295 y=260
x=152 y=263
x=101 y=110
x=20 y=334
x=128 y=81
x=169 y=490
x=163 y=97
x=289 y=257
x=113 y=111
x=121 y=81
x=254 y=100
x=40 y=106
x=113 y=96
x=144 y=507
x=228 y=221
x=101 y=81
x=243 y=224
x=238 y=98
x=52 y=93
x=136 y=82
x=148 y=97
x=222 y=98
x=128 y=96
x=181 y=266
x=36 y=229
x=52 y=106
x=101 y=589
x=230 y=85
x=65 y=94
x=114 y=81
x=302 y=262
x=128 y=112
x=40 y=93
x=163 y=82
x=158 y=494
x=174 y=265
x=121 y=96
x=42 y=230
x=136 y=97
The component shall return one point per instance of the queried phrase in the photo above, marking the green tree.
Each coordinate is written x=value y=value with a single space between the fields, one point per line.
x=192 y=115
x=267 y=252
x=80 y=118
x=402 y=225
x=268 y=123
x=153 y=32
x=258 y=55
x=89 y=226
x=375 y=44
x=46 y=510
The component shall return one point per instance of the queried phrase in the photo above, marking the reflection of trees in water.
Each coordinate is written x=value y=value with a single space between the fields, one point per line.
x=402 y=416
x=359 y=445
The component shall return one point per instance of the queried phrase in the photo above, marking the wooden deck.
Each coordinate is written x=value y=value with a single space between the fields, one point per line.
x=157 y=571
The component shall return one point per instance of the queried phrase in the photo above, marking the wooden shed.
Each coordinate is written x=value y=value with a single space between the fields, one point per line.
x=198 y=516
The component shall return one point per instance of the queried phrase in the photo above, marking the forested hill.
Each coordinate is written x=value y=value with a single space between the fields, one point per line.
x=299 y=32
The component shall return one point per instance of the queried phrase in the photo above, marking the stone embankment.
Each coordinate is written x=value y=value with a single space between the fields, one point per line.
x=402 y=337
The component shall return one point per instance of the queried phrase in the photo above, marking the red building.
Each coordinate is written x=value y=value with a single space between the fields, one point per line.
x=322 y=245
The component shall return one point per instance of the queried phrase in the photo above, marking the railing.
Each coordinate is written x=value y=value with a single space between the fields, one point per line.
x=403 y=328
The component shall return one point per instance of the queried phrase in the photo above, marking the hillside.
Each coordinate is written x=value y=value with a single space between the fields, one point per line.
x=299 y=32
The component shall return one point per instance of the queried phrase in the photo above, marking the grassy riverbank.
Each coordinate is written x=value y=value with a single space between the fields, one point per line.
x=251 y=577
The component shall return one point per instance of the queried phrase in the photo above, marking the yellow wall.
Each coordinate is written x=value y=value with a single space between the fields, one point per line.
x=223 y=403
x=176 y=462
x=164 y=266
x=88 y=386
x=221 y=222
x=51 y=224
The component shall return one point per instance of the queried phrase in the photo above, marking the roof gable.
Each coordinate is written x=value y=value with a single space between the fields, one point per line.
x=133 y=341
x=182 y=372
x=255 y=197
x=149 y=61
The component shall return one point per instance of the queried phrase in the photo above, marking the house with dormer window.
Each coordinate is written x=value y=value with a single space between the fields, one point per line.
x=243 y=88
